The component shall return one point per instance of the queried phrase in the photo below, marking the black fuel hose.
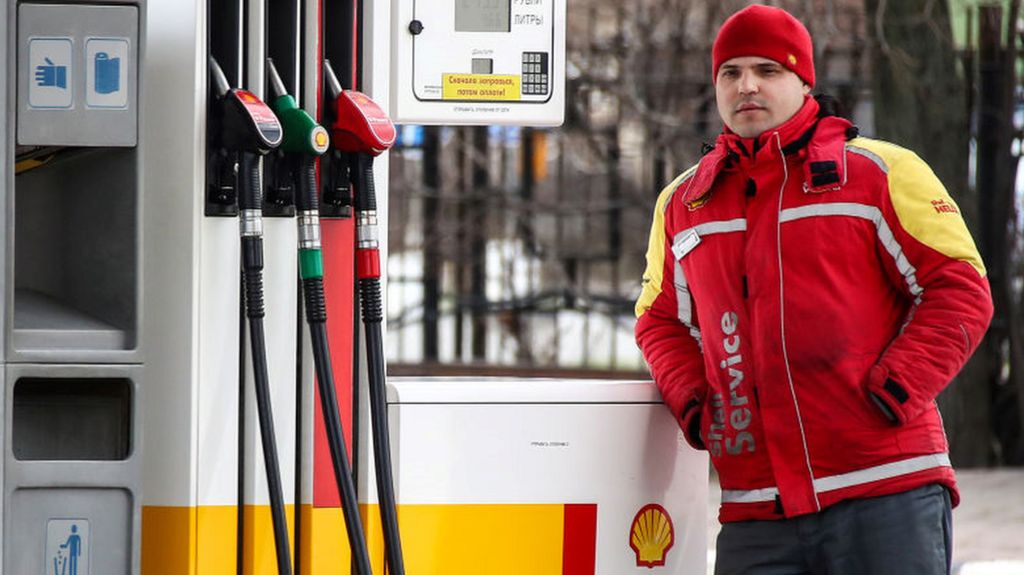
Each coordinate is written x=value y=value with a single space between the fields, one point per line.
x=250 y=203
x=368 y=270
x=311 y=274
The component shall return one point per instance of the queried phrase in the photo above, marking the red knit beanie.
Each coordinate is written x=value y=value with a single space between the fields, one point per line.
x=769 y=33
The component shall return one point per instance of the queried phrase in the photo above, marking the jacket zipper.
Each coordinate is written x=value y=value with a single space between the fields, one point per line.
x=782 y=322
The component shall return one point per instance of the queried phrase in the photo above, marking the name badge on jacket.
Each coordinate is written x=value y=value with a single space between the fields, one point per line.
x=684 y=244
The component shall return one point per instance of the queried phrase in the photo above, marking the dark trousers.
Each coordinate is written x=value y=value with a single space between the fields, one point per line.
x=903 y=534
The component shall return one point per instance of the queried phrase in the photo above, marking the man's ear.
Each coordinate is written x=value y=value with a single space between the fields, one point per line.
x=807 y=89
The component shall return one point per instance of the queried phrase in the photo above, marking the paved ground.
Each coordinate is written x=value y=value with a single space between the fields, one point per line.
x=988 y=525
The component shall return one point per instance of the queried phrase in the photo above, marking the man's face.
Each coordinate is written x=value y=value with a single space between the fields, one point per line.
x=755 y=94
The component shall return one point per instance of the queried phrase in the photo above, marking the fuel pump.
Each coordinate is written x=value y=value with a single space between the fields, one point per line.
x=304 y=141
x=248 y=129
x=362 y=129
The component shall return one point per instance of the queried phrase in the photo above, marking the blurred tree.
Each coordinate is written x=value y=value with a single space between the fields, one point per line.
x=916 y=85
x=921 y=102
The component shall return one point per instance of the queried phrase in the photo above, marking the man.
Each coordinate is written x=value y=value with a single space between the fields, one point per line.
x=74 y=547
x=808 y=294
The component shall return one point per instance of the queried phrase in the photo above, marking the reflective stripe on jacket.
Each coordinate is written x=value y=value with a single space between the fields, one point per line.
x=787 y=285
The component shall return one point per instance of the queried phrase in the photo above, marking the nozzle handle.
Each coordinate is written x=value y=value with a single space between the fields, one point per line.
x=307 y=198
x=250 y=195
x=220 y=81
x=331 y=79
x=277 y=88
x=362 y=177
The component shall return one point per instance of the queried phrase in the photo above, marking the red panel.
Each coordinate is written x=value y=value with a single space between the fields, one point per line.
x=337 y=237
x=579 y=545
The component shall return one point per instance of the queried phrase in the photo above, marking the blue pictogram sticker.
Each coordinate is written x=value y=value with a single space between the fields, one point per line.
x=108 y=73
x=50 y=74
x=107 y=62
x=67 y=547
x=73 y=548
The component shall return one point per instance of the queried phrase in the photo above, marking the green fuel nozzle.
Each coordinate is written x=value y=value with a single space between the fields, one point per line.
x=302 y=134
x=304 y=140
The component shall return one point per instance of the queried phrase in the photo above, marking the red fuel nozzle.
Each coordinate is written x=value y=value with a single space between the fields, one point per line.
x=360 y=126
x=363 y=129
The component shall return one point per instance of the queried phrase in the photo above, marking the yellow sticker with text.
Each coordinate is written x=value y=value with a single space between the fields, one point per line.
x=481 y=87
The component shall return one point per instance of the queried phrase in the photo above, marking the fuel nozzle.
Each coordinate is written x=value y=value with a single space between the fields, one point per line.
x=293 y=165
x=245 y=129
x=336 y=197
x=245 y=124
x=304 y=141
x=362 y=129
x=302 y=134
x=360 y=125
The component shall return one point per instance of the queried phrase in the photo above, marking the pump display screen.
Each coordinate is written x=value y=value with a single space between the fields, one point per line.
x=482 y=15
x=478 y=62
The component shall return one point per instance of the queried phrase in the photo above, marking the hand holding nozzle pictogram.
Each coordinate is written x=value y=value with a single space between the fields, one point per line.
x=52 y=75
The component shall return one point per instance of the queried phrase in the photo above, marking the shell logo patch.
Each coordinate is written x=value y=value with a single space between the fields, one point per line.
x=651 y=536
x=944 y=207
x=792 y=60
x=696 y=204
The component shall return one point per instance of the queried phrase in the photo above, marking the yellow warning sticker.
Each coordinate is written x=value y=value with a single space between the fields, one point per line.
x=481 y=87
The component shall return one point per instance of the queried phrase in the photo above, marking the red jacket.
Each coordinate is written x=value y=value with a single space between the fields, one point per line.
x=803 y=305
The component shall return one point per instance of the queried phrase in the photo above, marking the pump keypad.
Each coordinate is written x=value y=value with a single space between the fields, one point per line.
x=535 y=73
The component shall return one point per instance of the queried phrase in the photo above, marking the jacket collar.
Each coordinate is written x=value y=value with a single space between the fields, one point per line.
x=822 y=140
x=754 y=151
x=825 y=165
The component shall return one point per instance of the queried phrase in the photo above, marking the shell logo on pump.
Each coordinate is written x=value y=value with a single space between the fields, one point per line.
x=651 y=536
x=319 y=139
